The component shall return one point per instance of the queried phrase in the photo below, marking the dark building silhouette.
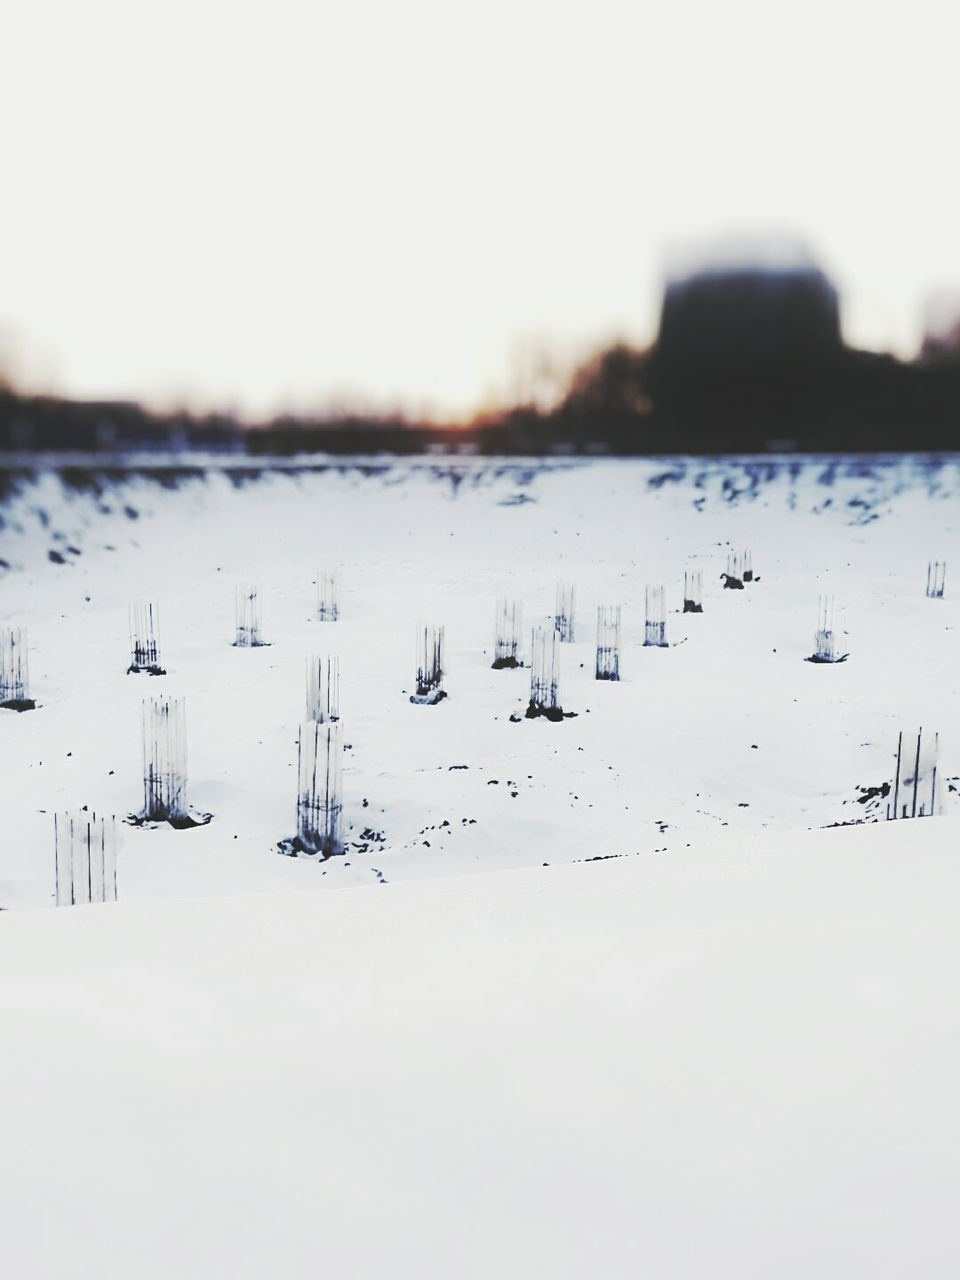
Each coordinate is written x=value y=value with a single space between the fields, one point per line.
x=749 y=320
x=750 y=356
x=748 y=346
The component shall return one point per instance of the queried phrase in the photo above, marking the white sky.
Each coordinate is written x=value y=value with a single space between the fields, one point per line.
x=258 y=205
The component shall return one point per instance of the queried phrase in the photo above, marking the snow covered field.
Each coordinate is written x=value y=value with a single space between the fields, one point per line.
x=727 y=1048
x=727 y=731
x=738 y=1062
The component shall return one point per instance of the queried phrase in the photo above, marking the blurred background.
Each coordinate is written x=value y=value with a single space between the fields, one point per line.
x=522 y=227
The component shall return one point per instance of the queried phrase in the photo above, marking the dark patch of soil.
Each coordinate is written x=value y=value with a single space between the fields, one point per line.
x=19 y=704
x=185 y=822
x=295 y=848
x=872 y=793
x=554 y=714
x=665 y=477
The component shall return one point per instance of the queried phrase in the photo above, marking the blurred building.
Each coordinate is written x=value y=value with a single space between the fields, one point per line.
x=749 y=339
x=749 y=312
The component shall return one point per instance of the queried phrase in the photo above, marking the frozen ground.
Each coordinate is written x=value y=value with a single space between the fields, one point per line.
x=729 y=730
x=738 y=1063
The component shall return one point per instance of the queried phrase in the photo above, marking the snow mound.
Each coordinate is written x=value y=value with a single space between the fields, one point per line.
x=738 y=1061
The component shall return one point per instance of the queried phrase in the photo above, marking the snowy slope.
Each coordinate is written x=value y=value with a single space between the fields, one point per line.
x=728 y=730
x=735 y=1062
